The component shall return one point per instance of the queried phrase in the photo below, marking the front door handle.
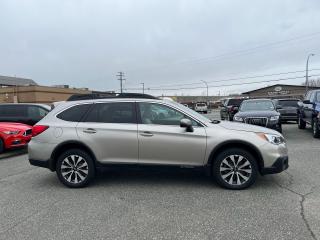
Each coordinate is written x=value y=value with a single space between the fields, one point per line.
x=90 y=130
x=146 y=134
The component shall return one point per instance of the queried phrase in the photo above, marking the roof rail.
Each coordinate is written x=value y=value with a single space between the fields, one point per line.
x=76 y=97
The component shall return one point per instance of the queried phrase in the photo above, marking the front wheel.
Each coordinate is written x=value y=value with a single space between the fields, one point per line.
x=315 y=128
x=235 y=169
x=75 y=168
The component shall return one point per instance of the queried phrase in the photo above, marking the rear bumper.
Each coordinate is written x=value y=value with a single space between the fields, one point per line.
x=41 y=163
x=281 y=164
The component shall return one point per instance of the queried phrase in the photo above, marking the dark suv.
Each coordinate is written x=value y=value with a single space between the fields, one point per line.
x=288 y=108
x=230 y=108
x=27 y=113
x=309 y=112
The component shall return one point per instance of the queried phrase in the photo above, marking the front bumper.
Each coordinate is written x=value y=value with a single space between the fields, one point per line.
x=281 y=164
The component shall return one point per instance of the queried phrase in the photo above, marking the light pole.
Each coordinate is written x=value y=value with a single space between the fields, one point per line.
x=307 y=66
x=142 y=87
x=207 y=90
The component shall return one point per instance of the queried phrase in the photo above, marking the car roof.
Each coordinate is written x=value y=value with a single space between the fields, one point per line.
x=30 y=104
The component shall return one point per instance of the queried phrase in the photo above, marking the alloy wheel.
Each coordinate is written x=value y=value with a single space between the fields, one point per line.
x=235 y=170
x=74 y=169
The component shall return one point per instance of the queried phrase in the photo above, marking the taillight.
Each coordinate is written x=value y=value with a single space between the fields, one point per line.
x=38 y=129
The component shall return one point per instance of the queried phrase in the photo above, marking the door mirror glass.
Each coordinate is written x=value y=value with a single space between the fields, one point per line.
x=186 y=123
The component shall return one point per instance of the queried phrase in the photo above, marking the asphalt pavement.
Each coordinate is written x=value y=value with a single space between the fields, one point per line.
x=164 y=204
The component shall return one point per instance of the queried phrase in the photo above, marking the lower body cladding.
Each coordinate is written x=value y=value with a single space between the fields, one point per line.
x=275 y=158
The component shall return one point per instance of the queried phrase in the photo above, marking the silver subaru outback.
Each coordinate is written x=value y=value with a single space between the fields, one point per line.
x=78 y=137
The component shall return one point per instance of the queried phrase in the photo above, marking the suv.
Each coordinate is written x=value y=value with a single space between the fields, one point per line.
x=27 y=113
x=78 y=137
x=230 y=108
x=261 y=112
x=201 y=107
x=309 y=112
x=288 y=109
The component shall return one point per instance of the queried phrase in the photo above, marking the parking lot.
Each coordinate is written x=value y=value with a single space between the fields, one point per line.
x=164 y=204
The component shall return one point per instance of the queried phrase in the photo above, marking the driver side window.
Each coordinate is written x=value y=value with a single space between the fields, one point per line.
x=152 y=113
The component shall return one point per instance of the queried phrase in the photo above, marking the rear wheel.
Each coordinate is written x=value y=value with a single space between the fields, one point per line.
x=315 y=128
x=235 y=169
x=75 y=168
x=301 y=123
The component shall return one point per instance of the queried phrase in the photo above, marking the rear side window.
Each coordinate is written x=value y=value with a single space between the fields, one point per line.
x=13 y=110
x=75 y=113
x=121 y=112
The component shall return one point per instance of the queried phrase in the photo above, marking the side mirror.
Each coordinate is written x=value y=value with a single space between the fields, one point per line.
x=306 y=102
x=186 y=123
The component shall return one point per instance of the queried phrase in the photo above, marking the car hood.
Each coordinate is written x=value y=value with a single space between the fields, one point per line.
x=246 y=127
x=258 y=114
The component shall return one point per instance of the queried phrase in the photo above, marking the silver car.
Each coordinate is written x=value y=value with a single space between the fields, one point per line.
x=78 y=137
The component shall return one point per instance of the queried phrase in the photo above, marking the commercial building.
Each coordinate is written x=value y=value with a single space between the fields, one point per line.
x=279 y=91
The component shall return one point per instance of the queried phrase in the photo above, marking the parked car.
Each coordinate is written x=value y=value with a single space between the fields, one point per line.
x=14 y=135
x=98 y=133
x=27 y=113
x=261 y=112
x=288 y=109
x=201 y=107
x=309 y=112
x=230 y=108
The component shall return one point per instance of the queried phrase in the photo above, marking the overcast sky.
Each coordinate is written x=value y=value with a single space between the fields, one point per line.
x=159 y=42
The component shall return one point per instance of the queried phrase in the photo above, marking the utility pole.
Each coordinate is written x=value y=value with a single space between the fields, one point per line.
x=142 y=87
x=121 y=79
x=307 y=69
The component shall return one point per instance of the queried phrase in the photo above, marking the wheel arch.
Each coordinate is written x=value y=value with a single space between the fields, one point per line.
x=237 y=144
x=72 y=144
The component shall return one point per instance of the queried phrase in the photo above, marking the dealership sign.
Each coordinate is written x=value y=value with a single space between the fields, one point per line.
x=278 y=91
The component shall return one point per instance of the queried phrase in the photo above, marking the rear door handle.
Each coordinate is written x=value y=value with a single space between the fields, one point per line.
x=90 y=130
x=146 y=134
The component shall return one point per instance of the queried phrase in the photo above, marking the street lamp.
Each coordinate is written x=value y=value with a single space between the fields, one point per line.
x=207 y=90
x=142 y=87
x=307 y=66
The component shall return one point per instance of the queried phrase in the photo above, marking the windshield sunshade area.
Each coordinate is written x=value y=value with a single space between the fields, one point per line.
x=257 y=106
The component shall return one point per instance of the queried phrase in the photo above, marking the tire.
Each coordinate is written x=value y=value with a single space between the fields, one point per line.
x=279 y=128
x=230 y=118
x=301 y=123
x=1 y=146
x=315 y=128
x=79 y=176
x=223 y=167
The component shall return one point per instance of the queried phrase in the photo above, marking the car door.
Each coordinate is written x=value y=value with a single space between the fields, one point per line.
x=308 y=107
x=224 y=110
x=110 y=130
x=163 y=141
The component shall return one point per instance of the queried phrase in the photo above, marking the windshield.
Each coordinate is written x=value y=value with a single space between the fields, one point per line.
x=192 y=112
x=257 y=106
x=201 y=104
x=288 y=103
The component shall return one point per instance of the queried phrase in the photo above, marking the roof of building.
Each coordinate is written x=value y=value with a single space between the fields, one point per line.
x=16 y=81
x=286 y=85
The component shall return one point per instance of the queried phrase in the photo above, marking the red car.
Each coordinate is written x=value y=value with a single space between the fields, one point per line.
x=13 y=135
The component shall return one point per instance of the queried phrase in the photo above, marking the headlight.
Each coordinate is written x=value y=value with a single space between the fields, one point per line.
x=236 y=118
x=10 y=132
x=272 y=138
x=274 y=118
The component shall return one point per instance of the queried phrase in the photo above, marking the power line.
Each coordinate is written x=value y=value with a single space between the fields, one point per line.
x=234 y=84
x=226 y=80
x=232 y=53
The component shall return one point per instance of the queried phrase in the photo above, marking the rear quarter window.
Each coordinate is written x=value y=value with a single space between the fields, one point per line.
x=74 y=113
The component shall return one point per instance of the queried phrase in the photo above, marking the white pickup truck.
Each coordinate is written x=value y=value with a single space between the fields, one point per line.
x=201 y=107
